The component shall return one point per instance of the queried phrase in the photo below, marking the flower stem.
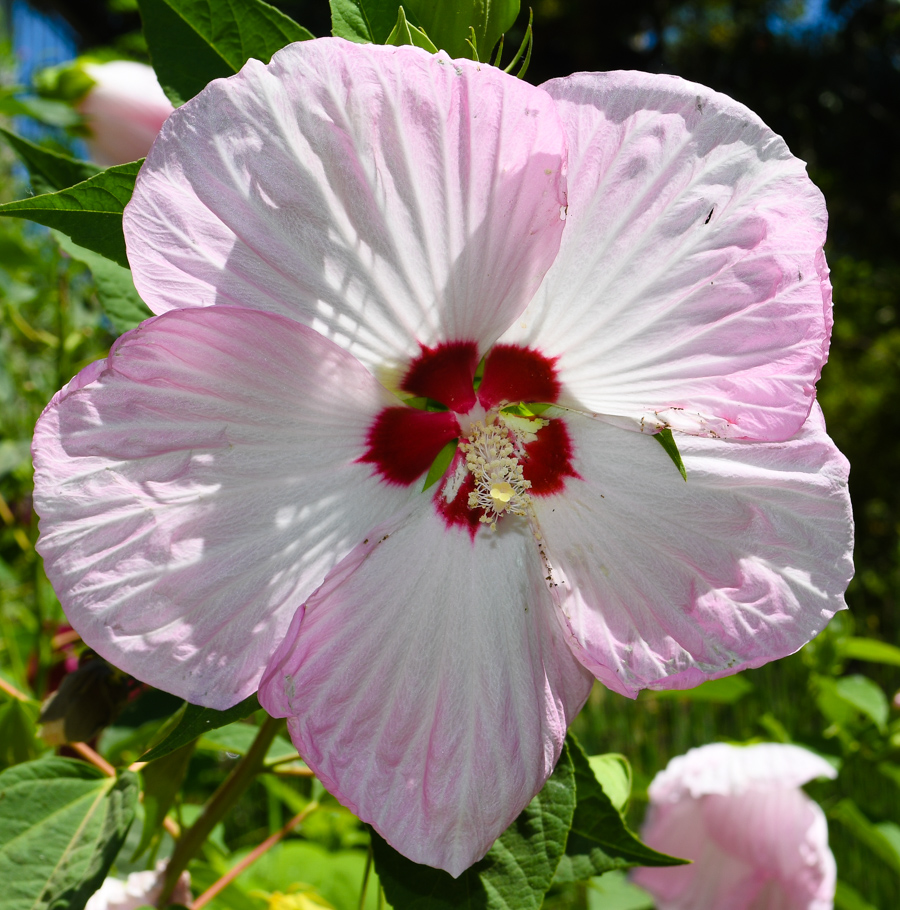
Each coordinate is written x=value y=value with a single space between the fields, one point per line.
x=219 y=804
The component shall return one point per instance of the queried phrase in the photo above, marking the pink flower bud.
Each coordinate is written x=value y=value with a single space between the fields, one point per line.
x=756 y=840
x=124 y=110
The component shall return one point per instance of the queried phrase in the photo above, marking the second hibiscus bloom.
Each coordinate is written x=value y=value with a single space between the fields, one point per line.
x=362 y=255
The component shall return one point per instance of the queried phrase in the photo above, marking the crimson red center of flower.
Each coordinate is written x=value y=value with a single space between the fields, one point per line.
x=403 y=442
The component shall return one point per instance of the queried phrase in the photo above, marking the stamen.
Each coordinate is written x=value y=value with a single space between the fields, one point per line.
x=492 y=453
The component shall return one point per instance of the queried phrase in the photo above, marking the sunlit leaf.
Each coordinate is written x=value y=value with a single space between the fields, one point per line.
x=192 y=42
x=363 y=21
x=613 y=773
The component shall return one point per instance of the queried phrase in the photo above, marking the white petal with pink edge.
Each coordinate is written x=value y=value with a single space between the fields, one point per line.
x=429 y=684
x=690 y=289
x=198 y=488
x=669 y=582
x=382 y=195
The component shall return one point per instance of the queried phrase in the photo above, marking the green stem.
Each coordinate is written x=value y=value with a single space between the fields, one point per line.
x=219 y=804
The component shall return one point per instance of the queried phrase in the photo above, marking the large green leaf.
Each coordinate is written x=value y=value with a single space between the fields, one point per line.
x=49 y=170
x=192 y=42
x=447 y=23
x=514 y=875
x=195 y=721
x=89 y=212
x=62 y=822
x=115 y=286
x=364 y=21
x=600 y=840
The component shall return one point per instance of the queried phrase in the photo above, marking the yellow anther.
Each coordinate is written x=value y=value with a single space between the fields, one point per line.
x=502 y=492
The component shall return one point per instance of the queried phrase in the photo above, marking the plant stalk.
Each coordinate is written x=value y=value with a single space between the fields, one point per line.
x=219 y=804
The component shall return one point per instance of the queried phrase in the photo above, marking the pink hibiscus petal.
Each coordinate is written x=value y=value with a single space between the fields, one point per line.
x=429 y=685
x=402 y=199
x=690 y=289
x=197 y=487
x=670 y=583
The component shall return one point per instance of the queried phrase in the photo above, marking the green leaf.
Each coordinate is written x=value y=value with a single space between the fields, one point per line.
x=192 y=42
x=363 y=21
x=162 y=780
x=870 y=649
x=848 y=898
x=865 y=696
x=891 y=833
x=514 y=875
x=49 y=170
x=303 y=868
x=613 y=773
x=195 y=721
x=890 y=771
x=17 y=729
x=600 y=840
x=724 y=691
x=613 y=891
x=89 y=212
x=881 y=844
x=667 y=441
x=440 y=464
x=404 y=33
x=238 y=737
x=44 y=110
x=115 y=286
x=447 y=23
x=62 y=822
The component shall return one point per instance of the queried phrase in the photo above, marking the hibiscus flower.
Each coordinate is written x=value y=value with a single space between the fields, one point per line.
x=364 y=257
